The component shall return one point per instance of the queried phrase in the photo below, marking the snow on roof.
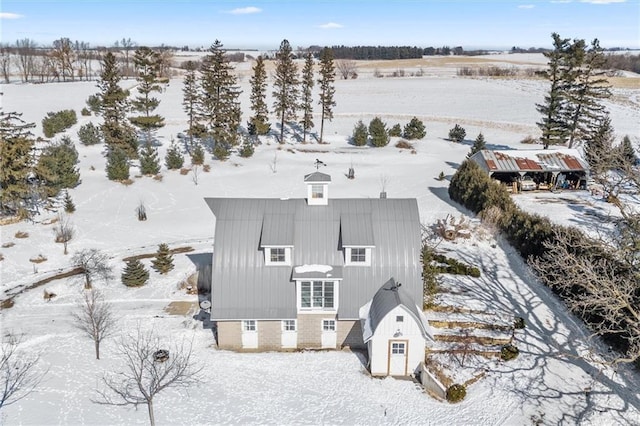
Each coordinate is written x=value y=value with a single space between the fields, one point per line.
x=313 y=268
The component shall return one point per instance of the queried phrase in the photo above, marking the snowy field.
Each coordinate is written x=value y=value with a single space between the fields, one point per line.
x=556 y=378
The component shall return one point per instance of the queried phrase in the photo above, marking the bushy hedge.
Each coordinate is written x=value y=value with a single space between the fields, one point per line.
x=456 y=393
x=56 y=122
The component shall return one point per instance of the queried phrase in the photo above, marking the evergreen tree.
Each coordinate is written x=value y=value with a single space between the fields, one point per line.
x=149 y=162
x=147 y=64
x=69 y=206
x=56 y=167
x=378 y=132
x=306 y=101
x=259 y=122
x=221 y=152
x=414 y=129
x=285 y=86
x=16 y=146
x=135 y=274
x=598 y=149
x=478 y=145
x=586 y=87
x=89 y=134
x=247 y=149
x=191 y=98
x=396 y=130
x=113 y=108
x=360 y=134
x=219 y=98
x=117 y=165
x=163 y=261
x=174 y=158
x=457 y=134
x=327 y=87
x=197 y=155
x=627 y=153
x=554 y=131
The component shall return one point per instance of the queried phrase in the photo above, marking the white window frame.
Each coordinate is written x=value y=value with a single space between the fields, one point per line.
x=348 y=256
x=299 y=285
x=249 y=326
x=328 y=325
x=286 y=324
x=287 y=256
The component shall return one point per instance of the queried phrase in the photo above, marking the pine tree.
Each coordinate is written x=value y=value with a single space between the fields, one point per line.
x=117 y=165
x=56 y=167
x=163 y=261
x=627 y=153
x=174 y=158
x=414 y=129
x=395 y=130
x=360 y=134
x=259 y=122
x=219 y=98
x=16 y=158
x=149 y=162
x=478 y=145
x=285 y=86
x=457 y=134
x=327 y=88
x=197 y=155
x=135 y=274
x=554 y=131
x=89 y=134
x=113 y=108
x=191 y=98
x=598 y=149
x=586 y=87
x=147 y=64
x=306 y=101
x=378 y=132
x=69 y=206
x=247 y=149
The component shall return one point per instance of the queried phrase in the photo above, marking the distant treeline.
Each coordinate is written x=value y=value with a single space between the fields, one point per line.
x=397 y=52
x=626 y=62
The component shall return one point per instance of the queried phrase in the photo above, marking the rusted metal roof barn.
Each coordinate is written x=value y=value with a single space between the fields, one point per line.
x=531 y=161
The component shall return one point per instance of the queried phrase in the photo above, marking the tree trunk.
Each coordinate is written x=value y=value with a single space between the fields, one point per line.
x=322 y=125
x=282 y=126
x=97 y=344
x=152 y=420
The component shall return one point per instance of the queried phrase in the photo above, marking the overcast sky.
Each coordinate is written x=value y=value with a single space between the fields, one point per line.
x=264 y=23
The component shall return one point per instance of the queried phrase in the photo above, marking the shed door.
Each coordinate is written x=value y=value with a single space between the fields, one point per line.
x=398 y=357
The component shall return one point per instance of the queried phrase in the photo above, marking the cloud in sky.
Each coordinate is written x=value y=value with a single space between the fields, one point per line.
x=602 y=1
x=526 y=6
x=9 y=15
x=330 y=25
x=245 y=10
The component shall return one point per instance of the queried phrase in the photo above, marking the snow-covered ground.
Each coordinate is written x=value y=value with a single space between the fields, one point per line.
x=550 y=380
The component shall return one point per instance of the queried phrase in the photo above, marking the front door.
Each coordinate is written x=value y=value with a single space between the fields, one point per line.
x=329 y=338
x=398 y=357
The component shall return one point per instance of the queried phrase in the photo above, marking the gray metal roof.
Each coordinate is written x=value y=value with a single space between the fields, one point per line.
x=544 y=160
x=277 y=229
x=388 y=297
x=317 y=177
x=244 y=288
x=356 y=229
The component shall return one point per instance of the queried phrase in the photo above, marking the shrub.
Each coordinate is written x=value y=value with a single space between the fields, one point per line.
x=360 y=134
x=457 y=134
x=69 y=206
x=378 y=132
x=197 y=155
x=456 y=393
x=174 y=158
x=21 y=234
x=414 y=129
x=402 y=144
x=441 y=176
x=518 y=323
x=94 y=103
x=56 y=122
x=529 y=140
x=396 y=130
x=135 y=274
x=89 y=134
x=246 y=150
x=117 y=165
x=509 y=352
x=163 y=261
x=85 y=112
x=221 y=152
x=56 y=167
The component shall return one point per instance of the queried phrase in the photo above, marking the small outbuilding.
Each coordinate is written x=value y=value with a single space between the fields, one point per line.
x=395 y=332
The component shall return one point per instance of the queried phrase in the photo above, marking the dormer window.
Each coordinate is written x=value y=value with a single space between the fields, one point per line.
x=277 y=256
x=357 y=256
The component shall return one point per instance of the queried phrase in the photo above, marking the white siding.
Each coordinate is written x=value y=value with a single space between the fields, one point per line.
x=390 y=329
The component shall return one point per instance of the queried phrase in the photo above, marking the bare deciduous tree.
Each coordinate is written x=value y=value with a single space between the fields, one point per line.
x=347 y=68
x=5 y=61
x=94 y=264
x=95 y=318
x=144 y=374
x=18 y=375
x=26 y=50
x=64 y=231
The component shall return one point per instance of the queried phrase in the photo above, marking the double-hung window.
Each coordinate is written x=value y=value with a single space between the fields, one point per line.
x=318 y=295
